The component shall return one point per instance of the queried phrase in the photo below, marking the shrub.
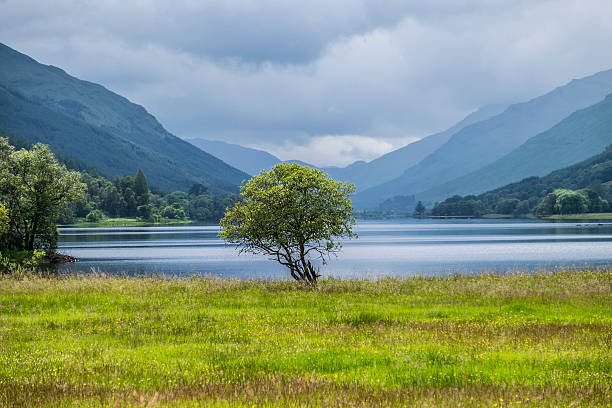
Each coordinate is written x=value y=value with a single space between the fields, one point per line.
x=95 y=216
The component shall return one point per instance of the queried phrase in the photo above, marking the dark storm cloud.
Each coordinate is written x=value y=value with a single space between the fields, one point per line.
x=329 y=81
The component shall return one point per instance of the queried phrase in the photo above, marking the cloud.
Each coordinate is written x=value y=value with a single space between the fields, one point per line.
x=324 y=77
x=334 y=150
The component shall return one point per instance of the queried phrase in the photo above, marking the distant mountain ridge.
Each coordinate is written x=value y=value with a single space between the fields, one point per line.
x=579 y=136
x=362 y=174
x=85 y=120
x=481 y=143
x=391 y=165
x=249 y=160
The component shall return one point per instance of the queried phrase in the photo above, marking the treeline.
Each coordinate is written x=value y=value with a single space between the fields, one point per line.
x=585 y=187
x=130 y=196
x=37 y=191
x=560 y=201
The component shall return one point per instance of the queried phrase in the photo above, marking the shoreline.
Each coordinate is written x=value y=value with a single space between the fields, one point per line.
x=124 y=222
x=581 y=217
x=133 y=222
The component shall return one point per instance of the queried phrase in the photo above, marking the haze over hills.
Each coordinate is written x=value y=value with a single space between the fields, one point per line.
x=362 y=174
x=482 y=143
x=87 y=121
x=577 y=137
x=249 y=160
x=391 y=165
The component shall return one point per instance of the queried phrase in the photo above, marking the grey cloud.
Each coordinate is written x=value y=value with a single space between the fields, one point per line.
x=293 y=73
x=245 y=30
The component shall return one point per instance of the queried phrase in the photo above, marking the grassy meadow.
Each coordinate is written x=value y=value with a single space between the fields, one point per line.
x=581 y=217
x=491 y=341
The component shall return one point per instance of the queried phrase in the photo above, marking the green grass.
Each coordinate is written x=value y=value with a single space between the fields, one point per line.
x=126 y=222
x=517 y=340
x=581 y=217
x=500 y=216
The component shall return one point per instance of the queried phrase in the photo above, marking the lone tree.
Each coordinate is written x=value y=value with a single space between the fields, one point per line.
x=294 y=214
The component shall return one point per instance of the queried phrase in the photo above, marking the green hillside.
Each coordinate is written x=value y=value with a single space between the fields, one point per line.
x=595 y=172
x=84 y=120
x=522 y=197
x=578 y=137
x=70 y=162
x=484 y=142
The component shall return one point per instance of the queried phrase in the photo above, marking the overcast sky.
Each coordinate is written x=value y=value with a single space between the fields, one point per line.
x=327 y=82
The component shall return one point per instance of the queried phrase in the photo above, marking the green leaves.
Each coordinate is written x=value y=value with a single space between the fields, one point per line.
x=293 y=214
x=34 y=187
x=564 y=201
x=4 y=220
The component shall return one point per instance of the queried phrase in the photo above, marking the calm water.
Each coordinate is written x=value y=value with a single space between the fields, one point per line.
x=384 y=248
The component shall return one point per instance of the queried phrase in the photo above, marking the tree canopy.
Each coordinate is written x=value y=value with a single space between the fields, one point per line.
x=467 y=206
x=34 y=188
x=294 y=214
x=565 y=201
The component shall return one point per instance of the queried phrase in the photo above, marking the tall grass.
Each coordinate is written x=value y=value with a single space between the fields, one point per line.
x=489 y=340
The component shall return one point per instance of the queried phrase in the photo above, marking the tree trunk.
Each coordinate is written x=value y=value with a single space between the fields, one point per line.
x=309 y=273
x=32 y=235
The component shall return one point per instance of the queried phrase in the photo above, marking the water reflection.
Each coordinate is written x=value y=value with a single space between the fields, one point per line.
x=424 y=247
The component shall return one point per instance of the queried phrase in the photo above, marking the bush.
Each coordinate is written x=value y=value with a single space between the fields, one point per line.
x=20 y=263
x=146 y=212
x=95 y=216
x=174 y=212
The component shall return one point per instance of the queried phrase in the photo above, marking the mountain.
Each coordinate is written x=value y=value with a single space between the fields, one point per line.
x=251 y=161
x=391 y=165
x=70 y=162
x=577 y=137
x=484 y=142
x=86 y=121
x=301 y=163
x=362 y=174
